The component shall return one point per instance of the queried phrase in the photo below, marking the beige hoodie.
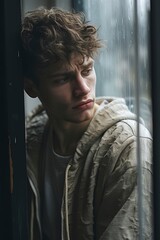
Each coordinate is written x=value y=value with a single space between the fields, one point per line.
x=101 y=195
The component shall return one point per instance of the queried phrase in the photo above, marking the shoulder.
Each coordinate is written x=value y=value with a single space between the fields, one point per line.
x=138 y=129
x=118 y=144
x=35 y=124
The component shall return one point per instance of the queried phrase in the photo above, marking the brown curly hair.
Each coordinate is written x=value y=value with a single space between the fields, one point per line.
x=50 y=35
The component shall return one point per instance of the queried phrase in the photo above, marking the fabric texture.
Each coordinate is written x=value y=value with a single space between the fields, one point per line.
x=100 y=199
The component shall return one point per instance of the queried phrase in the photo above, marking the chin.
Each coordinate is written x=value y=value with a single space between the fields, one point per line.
x=87 y=116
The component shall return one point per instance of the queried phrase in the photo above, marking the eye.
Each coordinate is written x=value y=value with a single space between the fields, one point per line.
x=61 y=81
x=87 y=71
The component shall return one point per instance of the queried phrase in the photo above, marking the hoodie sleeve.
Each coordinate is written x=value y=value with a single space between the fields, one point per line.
x=125 y=209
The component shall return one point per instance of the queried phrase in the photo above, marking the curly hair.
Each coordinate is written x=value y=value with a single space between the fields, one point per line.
x=54 y=34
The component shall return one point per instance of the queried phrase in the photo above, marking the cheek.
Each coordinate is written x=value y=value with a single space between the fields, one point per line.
x=93 y=81
x=60 y=96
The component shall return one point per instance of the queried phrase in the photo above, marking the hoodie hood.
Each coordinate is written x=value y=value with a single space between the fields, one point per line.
x=110 y=111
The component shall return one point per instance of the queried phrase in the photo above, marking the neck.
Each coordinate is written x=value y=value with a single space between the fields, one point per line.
x=66 y=137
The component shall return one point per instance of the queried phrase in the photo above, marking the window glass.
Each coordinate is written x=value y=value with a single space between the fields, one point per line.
x=123 y=67
x=116 y=67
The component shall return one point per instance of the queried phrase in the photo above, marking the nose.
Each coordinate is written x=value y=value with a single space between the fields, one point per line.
x=80 y=86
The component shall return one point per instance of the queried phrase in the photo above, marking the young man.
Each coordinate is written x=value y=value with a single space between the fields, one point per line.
x=81 y=150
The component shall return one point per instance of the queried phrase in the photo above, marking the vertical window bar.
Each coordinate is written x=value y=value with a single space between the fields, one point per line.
x=16 y=132
x=77 y=5
x=137 y=95
x=155 y=76
x=5 y=195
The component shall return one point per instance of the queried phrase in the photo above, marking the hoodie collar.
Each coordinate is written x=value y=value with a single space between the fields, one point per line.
x=110 y=111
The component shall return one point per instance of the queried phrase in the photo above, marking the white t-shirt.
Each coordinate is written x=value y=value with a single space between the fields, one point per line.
x=54 y=175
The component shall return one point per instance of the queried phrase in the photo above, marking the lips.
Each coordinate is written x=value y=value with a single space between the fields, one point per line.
x=84 y=104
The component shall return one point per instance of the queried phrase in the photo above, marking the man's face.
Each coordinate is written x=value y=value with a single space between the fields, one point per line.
x=67 y=91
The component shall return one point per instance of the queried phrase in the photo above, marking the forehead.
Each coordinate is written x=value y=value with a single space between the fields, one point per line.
x=76 y=61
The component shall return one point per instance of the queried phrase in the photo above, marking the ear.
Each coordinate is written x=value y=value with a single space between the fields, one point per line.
x=30 y=88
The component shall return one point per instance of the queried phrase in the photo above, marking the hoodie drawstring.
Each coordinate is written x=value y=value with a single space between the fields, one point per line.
x=66 y=201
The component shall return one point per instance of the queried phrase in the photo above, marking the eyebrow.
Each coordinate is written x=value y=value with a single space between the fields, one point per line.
x=62 y=74
x=86 y=64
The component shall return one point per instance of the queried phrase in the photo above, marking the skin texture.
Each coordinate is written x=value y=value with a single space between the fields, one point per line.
x=67 y=91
